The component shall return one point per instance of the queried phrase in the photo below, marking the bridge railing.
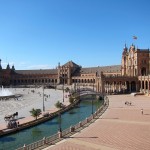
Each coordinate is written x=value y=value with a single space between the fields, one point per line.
x=52 y=139
x=66 y=131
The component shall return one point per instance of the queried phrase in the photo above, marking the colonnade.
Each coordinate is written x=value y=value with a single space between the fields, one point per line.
x=144 y=84
x=33 y=81
x=120 y=87
x=84 y=82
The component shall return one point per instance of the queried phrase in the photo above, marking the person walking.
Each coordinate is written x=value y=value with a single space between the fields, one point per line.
x=142 y=111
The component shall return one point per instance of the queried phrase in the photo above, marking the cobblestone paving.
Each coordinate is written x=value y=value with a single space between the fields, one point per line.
x=121 y=127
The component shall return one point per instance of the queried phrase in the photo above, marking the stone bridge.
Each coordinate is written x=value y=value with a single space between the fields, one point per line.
x=89 y=91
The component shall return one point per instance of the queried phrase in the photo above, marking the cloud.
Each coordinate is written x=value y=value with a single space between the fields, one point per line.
x=4 y=64
x=25 y=65
x=38 y=67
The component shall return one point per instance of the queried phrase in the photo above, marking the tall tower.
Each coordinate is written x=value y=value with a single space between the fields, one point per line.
x=132 y=70
x=124 y=61
x=0 y=74
x=8 y=67
x=0 y=65
x=13 y=68
x=143 y=56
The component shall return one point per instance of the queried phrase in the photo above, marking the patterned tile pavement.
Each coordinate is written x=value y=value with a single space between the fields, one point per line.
x=121 y=127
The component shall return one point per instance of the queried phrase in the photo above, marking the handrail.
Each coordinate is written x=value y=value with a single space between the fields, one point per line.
x=51 y=140
x=39 y=120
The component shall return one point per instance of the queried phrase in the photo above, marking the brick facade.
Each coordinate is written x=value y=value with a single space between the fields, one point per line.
x=131 y=76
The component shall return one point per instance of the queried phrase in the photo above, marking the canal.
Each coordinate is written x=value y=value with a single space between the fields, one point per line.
x=50 y=127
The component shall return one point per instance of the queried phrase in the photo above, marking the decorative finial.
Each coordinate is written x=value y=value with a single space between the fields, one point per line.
x=59 y=64
x=0 y=64
x=8 y=67
x=13 y=67
x=125 y=46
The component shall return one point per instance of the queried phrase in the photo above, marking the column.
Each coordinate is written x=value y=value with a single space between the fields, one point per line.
x=117 y=87
x=148 y=86
x=130 y=86
x=121 y=86
x=125 y=86
x=144 y=85
x=136 y=86
x=113 y=87
x=141 y=85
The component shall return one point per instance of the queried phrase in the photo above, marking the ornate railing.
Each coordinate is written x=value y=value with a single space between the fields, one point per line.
x=59 y=136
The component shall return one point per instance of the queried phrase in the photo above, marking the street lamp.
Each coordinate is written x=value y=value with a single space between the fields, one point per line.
x=77 y=85
x=92 y=97
x=63 y=90
x=63 y=86
x=62 y=80
x=93 y=84
x=59 y=115
x=92 y=105
x=79 y=89
x=43 y=99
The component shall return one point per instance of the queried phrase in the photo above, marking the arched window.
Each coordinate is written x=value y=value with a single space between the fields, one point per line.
x=143 y=71
x=146 y=84
x=133 y=86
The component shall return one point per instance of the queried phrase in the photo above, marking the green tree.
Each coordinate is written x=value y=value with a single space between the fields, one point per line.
x=35 y=113
x=67 y=89
x=58 y=105
x=71 y=100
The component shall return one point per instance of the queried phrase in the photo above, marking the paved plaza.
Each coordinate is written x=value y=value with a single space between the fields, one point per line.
x=121 y=127
x=30 y=100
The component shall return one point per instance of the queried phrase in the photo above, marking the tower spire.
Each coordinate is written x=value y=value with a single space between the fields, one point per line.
x=0 y=65
x=125 y=48
x=8 y=67
x=13 y=67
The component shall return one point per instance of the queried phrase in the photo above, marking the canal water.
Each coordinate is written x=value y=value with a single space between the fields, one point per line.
x=50 y=127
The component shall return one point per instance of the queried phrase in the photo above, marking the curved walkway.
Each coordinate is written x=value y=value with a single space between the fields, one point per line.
x=121 y=127
x=30 y=100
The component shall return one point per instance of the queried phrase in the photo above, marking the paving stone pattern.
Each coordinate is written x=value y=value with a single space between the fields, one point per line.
x=121 y=127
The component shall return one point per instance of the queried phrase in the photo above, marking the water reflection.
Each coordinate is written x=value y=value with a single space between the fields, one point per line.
x=51 y=123
x=7 y=139
x=48 y=128
x=36 y=132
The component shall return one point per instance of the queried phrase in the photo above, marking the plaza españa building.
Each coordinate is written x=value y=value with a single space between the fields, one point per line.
x=131 y=76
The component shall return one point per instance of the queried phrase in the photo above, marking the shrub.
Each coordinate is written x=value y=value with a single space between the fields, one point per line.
x=35 y=113
x=58 y=105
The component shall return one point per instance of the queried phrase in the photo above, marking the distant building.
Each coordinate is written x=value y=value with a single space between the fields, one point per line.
x=131 y=76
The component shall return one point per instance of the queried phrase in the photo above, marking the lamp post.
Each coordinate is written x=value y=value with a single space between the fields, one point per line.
x=63 y=89
x=43 y=99
x=59 y=122
x=77 y=85
x=92 y=97
x=62 y=79
x=93 y=84
x=79 y=88
x=92 y=105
